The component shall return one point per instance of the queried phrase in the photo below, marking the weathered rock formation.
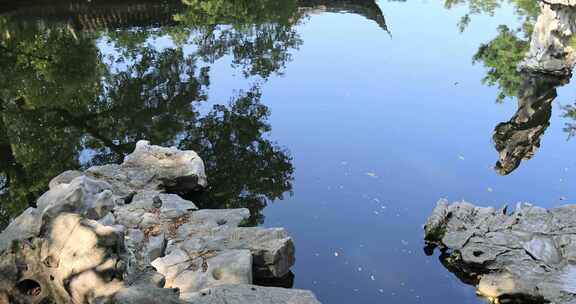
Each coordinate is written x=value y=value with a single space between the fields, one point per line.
x=519 y=138
x=524 y=256
x=547 y=66
x=120 y=234
x=553 y=42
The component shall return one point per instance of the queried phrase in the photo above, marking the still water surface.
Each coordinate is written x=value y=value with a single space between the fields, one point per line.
x=343 y=121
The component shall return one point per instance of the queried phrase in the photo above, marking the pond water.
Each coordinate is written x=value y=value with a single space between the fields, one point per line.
x=343 y=121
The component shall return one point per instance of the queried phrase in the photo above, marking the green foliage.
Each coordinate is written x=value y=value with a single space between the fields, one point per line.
x=238 y=13
x=258 y=34
x=501 y=56
x=570 y=113
x=526 y=9
x=503 y=53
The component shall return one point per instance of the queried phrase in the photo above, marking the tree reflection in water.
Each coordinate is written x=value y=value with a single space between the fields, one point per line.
x=519 y=138
x=71 y=99
x=82 y=81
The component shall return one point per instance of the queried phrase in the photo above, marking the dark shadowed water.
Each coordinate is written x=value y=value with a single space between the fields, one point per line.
x=343 y=121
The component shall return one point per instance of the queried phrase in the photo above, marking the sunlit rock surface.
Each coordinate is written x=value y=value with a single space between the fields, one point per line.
x=553 y=40
x=236 y=294
x=524 y=256
x=120 y=234
x=561 y=2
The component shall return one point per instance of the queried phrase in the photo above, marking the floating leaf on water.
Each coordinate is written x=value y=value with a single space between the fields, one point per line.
x=371 y=174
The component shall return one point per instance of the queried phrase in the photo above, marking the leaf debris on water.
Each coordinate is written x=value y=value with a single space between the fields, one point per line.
x=371 y=174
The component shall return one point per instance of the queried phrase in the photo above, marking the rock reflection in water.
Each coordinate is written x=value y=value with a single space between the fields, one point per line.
x=546 y=66
x=523 y=256
x=519 y=138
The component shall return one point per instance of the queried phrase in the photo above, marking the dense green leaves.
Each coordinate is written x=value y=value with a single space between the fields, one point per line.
x=501 y=56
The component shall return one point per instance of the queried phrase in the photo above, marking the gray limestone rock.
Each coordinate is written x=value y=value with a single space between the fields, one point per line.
x=561 y=2
x=27 y=225
x=112 y=235
x=214 y=218
x=154 y=168
x=551 y=51
x=155 y=247
x=272 y=248
x=526 y=255
x=87 y=196
x=65 y=177
x=243 y=294
x=193 y=271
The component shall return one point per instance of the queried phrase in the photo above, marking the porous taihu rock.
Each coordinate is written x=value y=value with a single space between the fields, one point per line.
x=113 y=234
